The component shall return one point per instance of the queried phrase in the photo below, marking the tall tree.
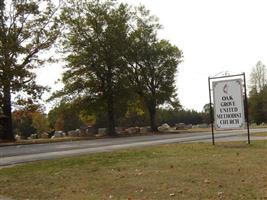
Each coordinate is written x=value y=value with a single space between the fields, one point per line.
x=258 y=77
x=258 y=93
x=152 y=64
x=95 y=38
x=27 y=27
x=258 y=105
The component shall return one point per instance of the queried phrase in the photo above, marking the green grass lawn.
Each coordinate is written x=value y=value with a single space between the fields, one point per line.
x=184 y=171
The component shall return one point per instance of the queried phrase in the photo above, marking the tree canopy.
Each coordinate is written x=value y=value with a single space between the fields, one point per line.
x=258 y=94
x=94 y=40
x=116 y=66
x=112 y=51
x=152 y=64
x=26 y=29
x=258 y=77
x=29 y=118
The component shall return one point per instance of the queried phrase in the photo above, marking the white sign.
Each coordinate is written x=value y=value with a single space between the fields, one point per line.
x=228 y=104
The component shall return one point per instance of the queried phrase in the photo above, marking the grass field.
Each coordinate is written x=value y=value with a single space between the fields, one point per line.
x=185 y=171
x=259 y=134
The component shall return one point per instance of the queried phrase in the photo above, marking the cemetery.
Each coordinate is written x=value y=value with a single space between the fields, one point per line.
x=98 y=101
x=86 y=133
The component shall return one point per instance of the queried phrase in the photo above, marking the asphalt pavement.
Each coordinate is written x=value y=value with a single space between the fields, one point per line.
x=10 y=155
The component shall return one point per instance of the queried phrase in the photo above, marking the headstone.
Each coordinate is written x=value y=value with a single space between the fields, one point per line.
x=34 y=136
x=44 y=135
x=17 y=137
x=195 y=126
x=263 y=124
x=137 y=130
x=120 y=130
x=81 y=132
x=164 y=127
x=59 y=134
x=180 y=126
x=102 y=132
x=189 y=126
x=72 y=133
x=132 y=130
x=202 y=126
x=90 y=130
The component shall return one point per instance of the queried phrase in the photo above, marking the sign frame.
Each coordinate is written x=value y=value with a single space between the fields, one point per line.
x=244 y=101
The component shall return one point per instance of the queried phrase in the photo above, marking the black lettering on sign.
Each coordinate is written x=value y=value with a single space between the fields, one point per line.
x=234 y=121
x=227 y=98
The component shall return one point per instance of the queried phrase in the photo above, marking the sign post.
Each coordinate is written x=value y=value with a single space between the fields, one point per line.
x=229 y=104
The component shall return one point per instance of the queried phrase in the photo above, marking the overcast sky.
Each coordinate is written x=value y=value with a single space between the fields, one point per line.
x=214 y=35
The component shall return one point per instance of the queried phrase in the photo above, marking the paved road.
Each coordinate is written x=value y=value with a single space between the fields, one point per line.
x=25 y=153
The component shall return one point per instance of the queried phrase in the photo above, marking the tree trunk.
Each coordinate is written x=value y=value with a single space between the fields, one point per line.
x=7 y=125
x=6 y=119
x=110 y=105
x=152 y=107
x=111 y=120
x=152 y=114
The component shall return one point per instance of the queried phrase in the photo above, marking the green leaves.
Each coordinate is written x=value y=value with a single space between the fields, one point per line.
x=112 y=53
x=26 y=28
x=94 y=40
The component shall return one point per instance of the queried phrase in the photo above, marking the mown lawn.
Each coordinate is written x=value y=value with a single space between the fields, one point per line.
x=184 y=171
